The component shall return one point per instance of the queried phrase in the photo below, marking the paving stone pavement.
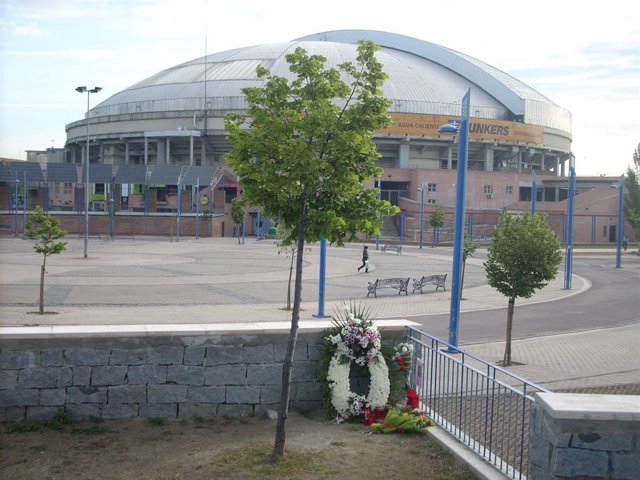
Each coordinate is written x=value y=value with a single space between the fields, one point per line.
x=154 y=281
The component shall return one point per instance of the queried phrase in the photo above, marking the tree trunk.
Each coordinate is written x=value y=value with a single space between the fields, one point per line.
x=42 y=272
x=289 y=284
x=506 y=361
x=287 y=367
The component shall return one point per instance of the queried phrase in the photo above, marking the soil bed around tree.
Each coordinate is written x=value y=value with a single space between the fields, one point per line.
x=221 y=448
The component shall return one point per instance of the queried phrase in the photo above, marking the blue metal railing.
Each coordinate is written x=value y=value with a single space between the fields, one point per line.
x=484 y=406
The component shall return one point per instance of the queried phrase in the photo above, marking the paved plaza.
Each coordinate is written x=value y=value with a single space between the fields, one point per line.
x=203 y=281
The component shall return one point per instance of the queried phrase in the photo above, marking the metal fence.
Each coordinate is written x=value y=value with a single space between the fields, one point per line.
x=485 y=407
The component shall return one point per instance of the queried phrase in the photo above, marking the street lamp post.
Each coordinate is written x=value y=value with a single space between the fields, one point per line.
x=89 y=91
x=421 y=214
x=534 y=192
x=620 y=223
x=458 y=242
x=568 y=256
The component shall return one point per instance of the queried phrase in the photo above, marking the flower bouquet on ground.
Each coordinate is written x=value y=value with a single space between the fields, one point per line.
x=402 y=421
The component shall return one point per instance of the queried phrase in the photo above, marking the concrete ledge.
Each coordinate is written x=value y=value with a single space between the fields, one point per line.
x=196 y=329
x=571 y=406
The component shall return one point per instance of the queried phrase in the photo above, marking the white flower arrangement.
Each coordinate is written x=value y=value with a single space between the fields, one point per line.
x=357 y=340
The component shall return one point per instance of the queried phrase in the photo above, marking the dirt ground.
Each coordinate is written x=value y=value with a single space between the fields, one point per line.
x=219 y=448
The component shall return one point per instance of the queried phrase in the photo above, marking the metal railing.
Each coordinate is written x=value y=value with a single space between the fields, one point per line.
x=484 y=406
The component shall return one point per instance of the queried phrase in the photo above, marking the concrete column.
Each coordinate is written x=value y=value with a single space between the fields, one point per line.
x=126 y=153
x=191 y=150
x=488 y=159
x=557 y=166
x=562 y=169
x=167 y=160
x=203 y=150
x=146 y=151
x=405 y=149
x=449 y=157
x=161 y=153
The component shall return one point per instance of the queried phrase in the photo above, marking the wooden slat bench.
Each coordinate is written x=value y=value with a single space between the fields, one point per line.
x=400 y=284
x=392 y=246
x=437 y=280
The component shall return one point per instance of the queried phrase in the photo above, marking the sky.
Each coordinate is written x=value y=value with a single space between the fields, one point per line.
x=584 y=56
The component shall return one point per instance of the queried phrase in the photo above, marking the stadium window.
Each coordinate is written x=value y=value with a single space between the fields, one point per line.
x=488 y=189
x=509 y=189
x=432 y=187
x=431 y=201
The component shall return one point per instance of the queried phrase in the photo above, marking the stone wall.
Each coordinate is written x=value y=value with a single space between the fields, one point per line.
x=575 y=436
x=155 y=376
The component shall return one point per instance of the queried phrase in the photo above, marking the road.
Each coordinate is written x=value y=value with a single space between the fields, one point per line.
x=613 y=300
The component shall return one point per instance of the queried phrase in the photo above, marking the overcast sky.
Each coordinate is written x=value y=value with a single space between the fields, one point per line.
x=584 y=56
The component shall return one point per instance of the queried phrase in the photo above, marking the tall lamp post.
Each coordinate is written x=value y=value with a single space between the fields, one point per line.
x=568 y=256
x=89 y=91
x=421 y=213
x=458 y=233
x=620 y=222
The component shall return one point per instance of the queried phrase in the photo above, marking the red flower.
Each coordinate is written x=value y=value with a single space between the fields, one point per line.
x=412 y=398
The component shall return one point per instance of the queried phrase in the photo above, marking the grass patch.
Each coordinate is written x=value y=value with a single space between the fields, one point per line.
x=62 y=421
x=254 y=461
x=156 y=421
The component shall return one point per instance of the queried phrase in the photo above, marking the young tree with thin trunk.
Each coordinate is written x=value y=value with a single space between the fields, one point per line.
x=468 y=249
x=305 y=154
x=238 y=215
x=46 y=231
x=523 y=257
x=436 y=220
x=632 y=194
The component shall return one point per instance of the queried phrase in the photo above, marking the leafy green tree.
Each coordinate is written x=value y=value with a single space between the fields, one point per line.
x=46 y=231
x=305 y=154
x=238 y=214
x=523 y=257
x=468 y=249
x=632 y=194
x=436 y=220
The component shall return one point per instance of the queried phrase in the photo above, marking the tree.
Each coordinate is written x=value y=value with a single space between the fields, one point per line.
x=632 y=196
x=436 y=220
x=238 y=213
x=468 y=249
x=45 y=230
x=305 y=154
x=523 y=257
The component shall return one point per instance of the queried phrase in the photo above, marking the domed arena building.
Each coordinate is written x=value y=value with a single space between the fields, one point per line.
x=175 y=119
x=159 y=145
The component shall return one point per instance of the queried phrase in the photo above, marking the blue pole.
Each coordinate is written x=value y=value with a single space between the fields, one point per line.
x=258 y=229
x=323 y=264
x=25 y=191
x=197 y=208
x=378 y=235
x=178 y=211
x=534 y=192
x=571 y=208
x=15 y=216
x=620 y=223
x=593 y=229
x=458 y=232
x=402 y=219
x=421 y=213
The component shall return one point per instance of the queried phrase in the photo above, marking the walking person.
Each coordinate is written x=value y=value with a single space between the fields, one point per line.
x=365 y=259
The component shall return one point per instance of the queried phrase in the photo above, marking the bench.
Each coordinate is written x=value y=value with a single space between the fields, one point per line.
x=437 y=280
x=400 y=284
x=390 y=246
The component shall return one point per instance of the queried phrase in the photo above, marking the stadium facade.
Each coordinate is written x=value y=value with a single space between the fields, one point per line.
x=171 y=127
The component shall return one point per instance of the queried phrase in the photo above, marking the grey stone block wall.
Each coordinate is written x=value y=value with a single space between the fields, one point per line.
x=565 y=448
x=162 y=376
